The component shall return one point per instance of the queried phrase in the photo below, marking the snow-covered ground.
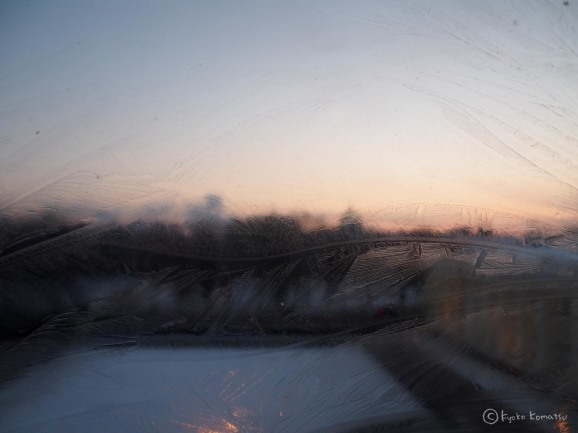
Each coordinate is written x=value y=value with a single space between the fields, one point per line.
x=288 y=389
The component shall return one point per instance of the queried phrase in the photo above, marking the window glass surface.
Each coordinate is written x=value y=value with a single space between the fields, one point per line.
x=271 y=216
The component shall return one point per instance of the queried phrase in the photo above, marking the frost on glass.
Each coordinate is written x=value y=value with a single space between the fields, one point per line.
x=288 y=217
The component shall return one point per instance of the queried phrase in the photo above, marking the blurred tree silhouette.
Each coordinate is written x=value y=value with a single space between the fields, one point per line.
x=351 y=224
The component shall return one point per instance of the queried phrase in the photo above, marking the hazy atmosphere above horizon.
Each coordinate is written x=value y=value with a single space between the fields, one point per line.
x=290 y=106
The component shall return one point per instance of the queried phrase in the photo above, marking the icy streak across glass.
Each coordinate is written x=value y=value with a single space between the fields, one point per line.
x=266 y=216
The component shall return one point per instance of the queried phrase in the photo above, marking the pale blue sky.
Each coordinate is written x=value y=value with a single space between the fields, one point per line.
x=290 y=105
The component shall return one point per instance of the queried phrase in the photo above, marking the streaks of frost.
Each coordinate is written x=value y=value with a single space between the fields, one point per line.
x=126 y=304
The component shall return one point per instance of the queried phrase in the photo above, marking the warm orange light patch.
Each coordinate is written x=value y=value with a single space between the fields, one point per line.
x=221 y=426
x=562 y=424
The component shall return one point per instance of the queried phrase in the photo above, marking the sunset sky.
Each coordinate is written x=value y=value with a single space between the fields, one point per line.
x=290 y=106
